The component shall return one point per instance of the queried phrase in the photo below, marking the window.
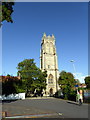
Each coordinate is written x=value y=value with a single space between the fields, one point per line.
x=48 y=66
x=50 y=79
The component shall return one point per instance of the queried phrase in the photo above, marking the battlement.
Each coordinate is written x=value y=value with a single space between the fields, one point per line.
x=48 y=38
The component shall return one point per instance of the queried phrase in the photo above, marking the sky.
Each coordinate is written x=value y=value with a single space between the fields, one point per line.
x=68 y=21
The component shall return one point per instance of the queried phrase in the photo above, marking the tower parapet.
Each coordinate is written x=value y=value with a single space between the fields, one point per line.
x=48 y=38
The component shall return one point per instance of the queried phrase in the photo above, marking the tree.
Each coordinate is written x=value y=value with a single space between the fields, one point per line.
x=87 y=81
x=66 y=82
x=8 y=74
x=32 y=77
x=10 y=85
x=7 y=10
x=77 y=81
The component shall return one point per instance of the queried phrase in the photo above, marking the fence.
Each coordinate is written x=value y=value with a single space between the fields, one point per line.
x=13 y=96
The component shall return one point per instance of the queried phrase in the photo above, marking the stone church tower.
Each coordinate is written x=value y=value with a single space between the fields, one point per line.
x=48 y=62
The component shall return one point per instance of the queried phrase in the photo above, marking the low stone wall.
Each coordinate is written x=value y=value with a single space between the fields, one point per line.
x=13 y=96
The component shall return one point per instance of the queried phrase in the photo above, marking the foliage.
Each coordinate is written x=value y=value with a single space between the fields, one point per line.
x=77 y=81
x=32 y=77
x=8 y=74
x=58 y=94
x=87 y=82
x=66 y=82
x=10 y=85
x=7 y=10
x=81 y=88
x=72 y=95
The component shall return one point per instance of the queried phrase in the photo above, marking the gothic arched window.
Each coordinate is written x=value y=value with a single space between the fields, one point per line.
x=50 y=79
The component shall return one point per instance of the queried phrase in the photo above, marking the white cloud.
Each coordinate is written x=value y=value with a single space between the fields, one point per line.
x=80 y=77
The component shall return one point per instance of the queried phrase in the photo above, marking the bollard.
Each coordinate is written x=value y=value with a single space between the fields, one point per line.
x=4 y=114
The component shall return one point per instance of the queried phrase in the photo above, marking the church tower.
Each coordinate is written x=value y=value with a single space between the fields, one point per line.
x=48 y=62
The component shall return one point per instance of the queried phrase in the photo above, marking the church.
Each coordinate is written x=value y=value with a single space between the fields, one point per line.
x=49 y=62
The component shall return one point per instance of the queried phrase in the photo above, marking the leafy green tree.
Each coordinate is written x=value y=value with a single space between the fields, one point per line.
x=6 y=10
x=39 y=83
x=87 y=81
x=66 y=82
x=32 y=77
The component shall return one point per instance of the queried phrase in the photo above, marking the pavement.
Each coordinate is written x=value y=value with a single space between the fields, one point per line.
x=46 y=107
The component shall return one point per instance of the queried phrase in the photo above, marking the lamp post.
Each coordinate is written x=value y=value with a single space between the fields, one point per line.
x=73 y=66
x=75 y=74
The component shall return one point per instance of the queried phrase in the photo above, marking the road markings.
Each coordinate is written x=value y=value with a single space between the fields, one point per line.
x=33 y=116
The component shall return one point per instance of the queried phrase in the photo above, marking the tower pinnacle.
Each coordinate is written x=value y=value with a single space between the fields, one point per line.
x=44 y=35
x=53 y=36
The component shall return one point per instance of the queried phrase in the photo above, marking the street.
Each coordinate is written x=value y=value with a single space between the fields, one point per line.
x=44 y=106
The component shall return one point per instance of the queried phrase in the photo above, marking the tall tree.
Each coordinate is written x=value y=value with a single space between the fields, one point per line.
x=87 y=81
x=6 y=10
x=32 y=77
x=66 y=82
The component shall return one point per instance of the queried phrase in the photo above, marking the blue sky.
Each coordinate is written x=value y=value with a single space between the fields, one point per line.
x=67 y=21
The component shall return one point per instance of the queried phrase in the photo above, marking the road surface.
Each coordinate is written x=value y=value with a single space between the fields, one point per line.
x=43 y=106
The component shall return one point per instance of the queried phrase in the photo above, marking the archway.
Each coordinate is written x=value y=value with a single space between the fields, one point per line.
x=51 y=92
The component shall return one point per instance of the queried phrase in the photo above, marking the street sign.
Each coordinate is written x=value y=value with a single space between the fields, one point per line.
x=76 y=86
